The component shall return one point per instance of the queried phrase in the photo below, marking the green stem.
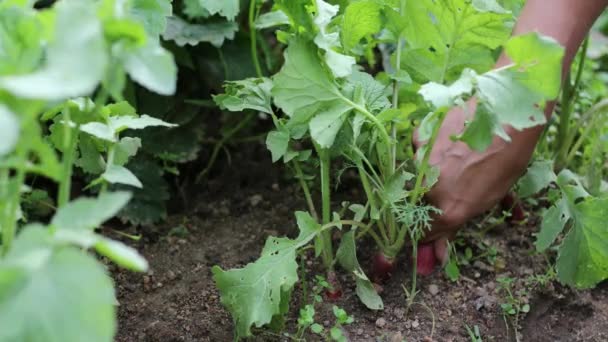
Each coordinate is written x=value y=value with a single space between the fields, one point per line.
x=372 y=201
x=253 y=13
x=9 y=226
x=327 y=253
x=305 y=189
x=412 y=296
x=69 y=152
x=396 y=93
x=109 y=162
x=595 y=117
x=424 y=166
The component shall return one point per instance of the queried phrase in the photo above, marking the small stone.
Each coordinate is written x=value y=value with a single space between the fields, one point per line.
x=275 y=187
x=146 y=280
x=380 y=322
x=326 y=323
x=433 y=289
x=415 y=324
x=399 y=313
x=255 y=200
x=171 y=275
x=397 y=337
x=359 y=332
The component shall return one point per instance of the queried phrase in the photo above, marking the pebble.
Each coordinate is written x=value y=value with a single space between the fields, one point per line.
x=433 y=289
x=397 y=337
x=400 y=313
x=415 y=324
x=380 y=322
x=275 y=187
x=359 y=332
x=171 y=275
x=255 y=200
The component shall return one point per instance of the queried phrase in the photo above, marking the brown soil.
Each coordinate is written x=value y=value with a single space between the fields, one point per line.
x=228 y=223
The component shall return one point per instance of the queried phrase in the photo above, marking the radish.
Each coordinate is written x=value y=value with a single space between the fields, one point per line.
x=511 y=203
x=426 y=259
x=382 y=267
x=334 y=291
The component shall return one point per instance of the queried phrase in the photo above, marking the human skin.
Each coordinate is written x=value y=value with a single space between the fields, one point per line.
x=471 y=183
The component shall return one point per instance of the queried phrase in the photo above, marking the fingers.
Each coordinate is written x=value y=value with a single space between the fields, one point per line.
x=441 y=251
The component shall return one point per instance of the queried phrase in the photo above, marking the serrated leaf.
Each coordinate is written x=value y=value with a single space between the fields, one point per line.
x=253 y=294
x=251 y=93
x=152 y=14
x=90 y=160
x=361 y=19
x=539 y=175
x=116 y=174
x=226 y=8
x=99 y=130
x=121 y=123
x=442 y=96
x=77 y=70
x=347 y=257
x=126 y=148
x=33 y=297
x=297 y=11
x=553 y=223
x=90 y=213
x=583 y=255
x=480 y=132
x=394 y=189
x=341 y=65
x=184 y=33
x=324 y=127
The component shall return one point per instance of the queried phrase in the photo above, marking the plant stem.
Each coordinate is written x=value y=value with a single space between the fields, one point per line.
x=327 y=252
x=596 y=113
x=69 y=151
x=396 y=93
x=424 y=166
x=109 y=162
x=9 y=226
x=253 y=13
x=412 y=296
x=305 y=189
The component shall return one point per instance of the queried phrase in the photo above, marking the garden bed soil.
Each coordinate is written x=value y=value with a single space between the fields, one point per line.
x=227 y=224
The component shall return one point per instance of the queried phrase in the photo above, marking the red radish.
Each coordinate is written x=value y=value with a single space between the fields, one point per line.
x=512 y=204
x=382 y=267
x=426 y=260
x=334 y=292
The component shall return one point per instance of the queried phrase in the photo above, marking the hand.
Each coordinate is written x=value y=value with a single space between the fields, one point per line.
x=471 y=183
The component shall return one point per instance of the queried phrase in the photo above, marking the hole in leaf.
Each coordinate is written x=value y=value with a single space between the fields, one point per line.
x=432 y=49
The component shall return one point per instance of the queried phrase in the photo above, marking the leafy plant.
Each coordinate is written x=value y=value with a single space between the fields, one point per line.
x=347 y=116
x=52 y=60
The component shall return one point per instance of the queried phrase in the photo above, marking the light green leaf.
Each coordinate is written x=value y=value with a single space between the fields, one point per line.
x=277 y=143
x=116 y=174
x=480 y=132
x=361 y=19
x=122 y=255
x=184 y=33
x=75 y=59
x=554 y=221
x=20 y=34
x=152 y=14
x=325 y=125
x=271 y=19
x=9 y=130
x=90 y=213
x=34 y=298
x=153 y=67
x=226 y=8
x=253 y=294
x=583 y=255
x=298 y=13
x=347 y=257
x=126 y=148
x=394 y=189
x=539 y=175
x=341 y=65
x=90 y=160
x=99 y=130
x=442 y=96
x=120 y=123
x=251 y=93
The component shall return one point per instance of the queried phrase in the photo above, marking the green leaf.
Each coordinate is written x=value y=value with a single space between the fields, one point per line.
x=298 y=13
x=90 y=160
x=253 y=294
x=75 y=59
x=226 y=8
x=20 y=34
x=122 y=255
x=152 y=14
x=361 y=19
x=271 y=19
x=125 y=149
x=120 y=123
x=452 y=35
x=341 y=65
x=539 y=175
x=277 y=143
x=99 y=130
x=316 y=328
x=553 y=223
x=251 y=93
x=302 y=82
x=442 y=96
x=9 y=130
x=480 y=132
x=324 y=127
x=153 y=67
x=184 y=33
x=90 y=213
x=452 y=271
x=394 y=189
x=116 y=174
x=36 y=284
x=583 y=256
x=347 y=257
